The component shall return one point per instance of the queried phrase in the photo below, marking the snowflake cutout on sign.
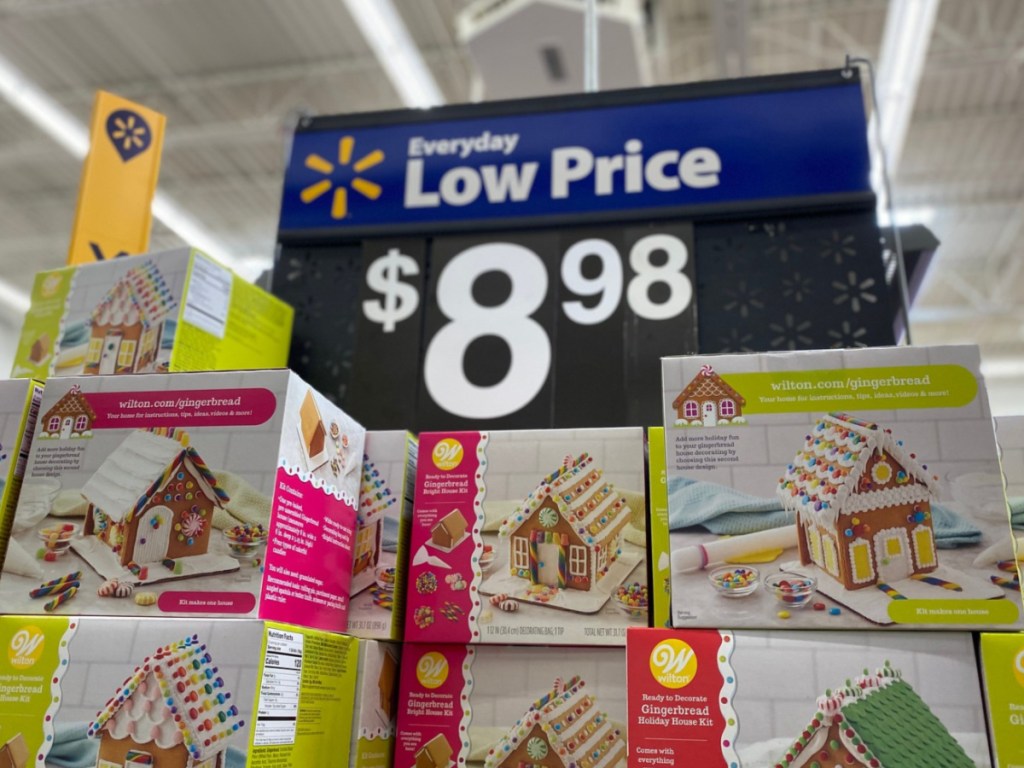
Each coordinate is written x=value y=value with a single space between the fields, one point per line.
x=796 y=287
x=743 y=298
x=837 y=247
x=847 y=336
x=736 y=341
x=783 y=244
x=791 y=334
x=854 y=291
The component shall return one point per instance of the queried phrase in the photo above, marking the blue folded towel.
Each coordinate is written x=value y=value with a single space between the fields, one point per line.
x=1017 y=511
x=726 y=511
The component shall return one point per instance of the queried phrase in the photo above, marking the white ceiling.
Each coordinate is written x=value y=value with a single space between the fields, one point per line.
x=232 y=75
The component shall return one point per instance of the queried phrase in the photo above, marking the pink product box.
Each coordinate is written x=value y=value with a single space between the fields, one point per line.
x=215 y=494
x=382 y=535
x=724 y=699
x=533 y=537
x=509 y=706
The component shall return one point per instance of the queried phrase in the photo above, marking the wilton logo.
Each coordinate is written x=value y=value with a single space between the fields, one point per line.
x=447 y=454
x=432 y=670
x=26 y=647
x=1018 y=667
x=366 y=188
x=673 y=663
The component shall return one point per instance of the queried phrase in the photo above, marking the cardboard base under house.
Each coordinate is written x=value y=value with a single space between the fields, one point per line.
x=104 y=561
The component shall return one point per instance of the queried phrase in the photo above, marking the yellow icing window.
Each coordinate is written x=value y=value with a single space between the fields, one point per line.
x=95 y=350
x=126 y=353
x=860 y=560
x=364 y=541
x=924 y=546
x=831 y=561
x=814 y=538
x=893 y=547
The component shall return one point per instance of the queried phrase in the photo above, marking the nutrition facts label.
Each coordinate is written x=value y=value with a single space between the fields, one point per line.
x=209 y=297
x=278 y=708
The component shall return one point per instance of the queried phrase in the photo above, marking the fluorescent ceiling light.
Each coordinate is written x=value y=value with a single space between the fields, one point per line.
x=907 y=216
x=1003 y=368
x=17 y=300
x=908 y=31
x=394 y=48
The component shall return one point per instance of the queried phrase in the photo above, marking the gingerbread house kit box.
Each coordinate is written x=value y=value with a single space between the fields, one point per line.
x=375 y=705
x=528 y=537
x=1002 y=666
x=19 y=409
x=509 y=706
x=836 y=489
x=746 y=699
x=175 y=310
x=381 y=545
x=171 y=693
x=216 y=494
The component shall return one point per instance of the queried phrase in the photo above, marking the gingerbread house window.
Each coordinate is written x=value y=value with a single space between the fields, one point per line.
x=81 y=423
x=924 y=545
x=53 y=424
x=727 y=409
x=860 y=560
x=126 y=353
x=577 y=560
x=691 y=409
x=520 y=552
x=95 y=350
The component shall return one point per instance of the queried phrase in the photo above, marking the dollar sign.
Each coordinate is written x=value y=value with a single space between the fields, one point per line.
x=400 y=299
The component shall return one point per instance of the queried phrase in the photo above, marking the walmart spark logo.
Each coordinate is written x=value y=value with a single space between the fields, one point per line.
x=366 y=188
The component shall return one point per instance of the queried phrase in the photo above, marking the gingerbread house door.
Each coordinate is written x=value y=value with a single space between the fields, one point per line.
x=153 y=534
x=108 y=357
x=547 y=563
x=66 y=426
x=709 y=413
x=892 y=553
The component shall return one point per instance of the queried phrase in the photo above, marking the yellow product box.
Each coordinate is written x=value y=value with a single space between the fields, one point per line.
x=657 y=529
x=19 y=409
x=176 y=310
x=189 y=692
x=1002 y=670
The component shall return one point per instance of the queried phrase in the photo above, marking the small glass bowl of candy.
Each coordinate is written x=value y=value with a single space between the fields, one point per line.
x=56 y=540
x=632 y=600
x=487 y=558
x=385 y=576
x=790 y=589
x=735 y=580
x=245 y=541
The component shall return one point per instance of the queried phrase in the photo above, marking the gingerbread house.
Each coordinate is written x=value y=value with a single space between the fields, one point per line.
x=164 y=718
x=708 y=400
x=128 y=325
x=563 y=729
x=386 y=683
x=374 y=499
x=877 y=720
x=14 y=753
x=862 y=503
x=152 y=499
x=71 y=416
x=436 y=753
x=449 y=530
x=568 y=531
x=314 y=435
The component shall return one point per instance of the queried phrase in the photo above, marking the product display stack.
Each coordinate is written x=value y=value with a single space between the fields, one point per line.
x=180 y=555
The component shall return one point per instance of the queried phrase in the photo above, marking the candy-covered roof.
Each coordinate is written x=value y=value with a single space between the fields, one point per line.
x=826 y=473
x=141 y=295
x=590 y=505
x=707 y=385
x=374 y=495
x=572 y=725
x=882 y=721
x=73 y=402
x=143 y=464
x=175 y=696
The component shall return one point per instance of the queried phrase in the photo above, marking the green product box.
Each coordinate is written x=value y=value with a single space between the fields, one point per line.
x=174 y=692
x=19 y=409
x=380 y=553
x=176 y=310
x=1002 y=668
x=657 y=529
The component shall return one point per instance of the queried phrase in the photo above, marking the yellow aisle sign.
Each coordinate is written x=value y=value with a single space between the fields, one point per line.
x=118 y=181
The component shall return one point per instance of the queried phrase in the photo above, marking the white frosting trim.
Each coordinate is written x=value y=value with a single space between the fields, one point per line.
x=890 y=497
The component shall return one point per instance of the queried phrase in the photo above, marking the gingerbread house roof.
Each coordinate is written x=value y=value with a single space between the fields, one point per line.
x=310 y=421
x=571 y=723
x=707 y=385
x=72 y=403
x=374 y=495
x=883 y=722
x=139 y=467
x=436 y=753
x=175 y=696
x=823 y=479
x=453 y=524
x=590 y=505
x=140 y=296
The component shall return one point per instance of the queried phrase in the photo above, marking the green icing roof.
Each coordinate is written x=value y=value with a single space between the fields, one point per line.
x=900 y=730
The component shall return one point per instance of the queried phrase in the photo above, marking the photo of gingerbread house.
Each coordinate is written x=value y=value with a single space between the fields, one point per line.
x=569 y=529
x=386 y=687
x=71 y=416
x=164 y=718
x=862 y=503
x=707 y=400
x=436 y=753
x=14 y=753
x=152 y=499
x=374 y=499
x=877 y=720
x=449 y=531
x=562 y=728
x=128 y=325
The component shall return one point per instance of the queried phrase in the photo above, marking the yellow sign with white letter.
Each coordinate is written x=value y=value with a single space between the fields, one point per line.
x=118 y=181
